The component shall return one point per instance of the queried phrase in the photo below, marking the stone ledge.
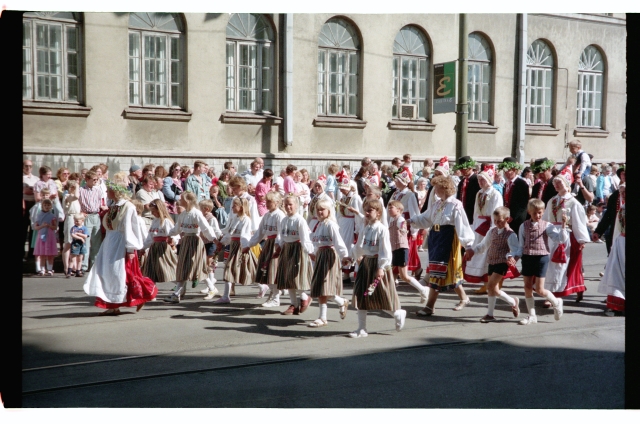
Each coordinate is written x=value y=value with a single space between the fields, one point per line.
x=590 y=132
x=410 y=125
x=541 y=130
x=476 y=127
x=156 y=114
x=249 y=118
x=339 y=122
x=55 y=109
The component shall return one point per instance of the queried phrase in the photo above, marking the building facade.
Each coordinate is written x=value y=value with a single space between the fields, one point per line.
x=312 y=89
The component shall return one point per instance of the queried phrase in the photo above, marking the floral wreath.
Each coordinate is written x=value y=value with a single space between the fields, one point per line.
x=468 y=164
x=116 y=187
x=543 y=166
x=509 y=165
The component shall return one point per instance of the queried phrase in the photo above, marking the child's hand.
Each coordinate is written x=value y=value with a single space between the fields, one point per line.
x=380 y=273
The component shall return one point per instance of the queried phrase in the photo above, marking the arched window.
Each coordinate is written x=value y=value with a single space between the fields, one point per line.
x=250 y=63
x=410 y=72
x=51 y=57
x=590 y=83
x=156 y=64
x=338 y=63
x=479 y=79
x=539 y=83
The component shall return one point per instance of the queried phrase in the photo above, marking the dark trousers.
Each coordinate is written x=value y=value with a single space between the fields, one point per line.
x=26 y=225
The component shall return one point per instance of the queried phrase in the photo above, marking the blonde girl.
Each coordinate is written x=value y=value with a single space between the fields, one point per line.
x=329 y=252
x=268 y=231
x=192 y=260
x=294 y=269
x=206 y=207
x=161 y=262
x=240 y=267
x=375 y=288
x=46 y=247
x=70 y=206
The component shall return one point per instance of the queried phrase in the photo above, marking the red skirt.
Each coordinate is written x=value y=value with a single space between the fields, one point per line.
x=575 y=280
x=615 y=303
x=414 y=259
x=140 y=289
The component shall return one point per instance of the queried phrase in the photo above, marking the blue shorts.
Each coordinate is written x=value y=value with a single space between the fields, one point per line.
x=210 y=248
x=400 y=257
x=500 y=268
x=78 y=249
x=534 y=265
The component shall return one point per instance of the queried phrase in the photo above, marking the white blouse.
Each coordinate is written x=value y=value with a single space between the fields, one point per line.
x=447 y=212
x=237 y=227
x=192 y=222
x=159 y=229
x=374 y=240
x=409 y=202
x=71 y=205
x=253 y=211
x=574 y=210
x=268 y=226
x=493 y=200
x=294 y=228
x=327 y=233
x=216 y=229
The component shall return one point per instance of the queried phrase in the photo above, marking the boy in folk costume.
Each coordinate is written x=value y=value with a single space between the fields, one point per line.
x=533 y=238
x=564 y=276
x=348 y=220
x=468 y=186
x=410 y=205
x=495 y=246
x=516 y=192
x=613 y=280
x=543 y=189
x=487 y=200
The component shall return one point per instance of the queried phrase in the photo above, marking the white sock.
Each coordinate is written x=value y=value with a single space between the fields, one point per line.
x=179 y=285
x=227 y=290
x=337 y=299
x=323 y=311
x=263 y=287
x=416 y=284
x=531 y=306
x=49 y=264
x=551 y=298
x=212 y=278
x=38 y=267
x=303 y=296
x=362 y=320
x=491 y=305
x=293 y=295
x=275 y=293
x=210 y=283
x=510 y=300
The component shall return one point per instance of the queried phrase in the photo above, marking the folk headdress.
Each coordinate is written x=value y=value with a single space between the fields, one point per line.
x=565 y=177
x=443 y=166
x=509 y=163
x=465 y=162
x=488 y=173
x=403 y=177
x=541 y=165
x=344 y=180
x=322 y=180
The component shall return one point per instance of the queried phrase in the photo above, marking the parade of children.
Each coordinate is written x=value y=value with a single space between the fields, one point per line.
x=323 y=240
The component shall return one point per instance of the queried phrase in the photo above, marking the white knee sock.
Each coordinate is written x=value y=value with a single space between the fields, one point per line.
x=510 y=300
x=323 y=311
x=179 y=286
x=531 y=306
x=227 y=290
x=416 y=284
x=304 y=296
x=275 y=293
x=293 y=294
x=491 y=305
x=362 y=320
x=337 y=299
x=263 y=287
x=210 y=283
x=212 y=278
x=551 y=298
x=38 y=267
x=49 y=264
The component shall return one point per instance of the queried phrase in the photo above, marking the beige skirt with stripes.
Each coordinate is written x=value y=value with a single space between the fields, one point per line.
x=240 y=267
x=160 y=263
x=327 y=275
x=267 y=265
x=384 y=297
x=192 y=260
x=294 y=268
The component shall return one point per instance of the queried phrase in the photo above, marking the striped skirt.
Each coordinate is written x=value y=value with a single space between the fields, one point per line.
x=327 y=275
x=294 y=270
x=267 y=265
x=384 y=297
x=160 y=263
x=444 y=248
x=192 y=259
x=240 y=267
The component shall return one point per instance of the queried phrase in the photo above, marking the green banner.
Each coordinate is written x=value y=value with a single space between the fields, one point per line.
x=444 y=87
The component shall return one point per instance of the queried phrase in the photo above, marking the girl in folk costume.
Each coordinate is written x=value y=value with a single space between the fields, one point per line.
x=192 y=259
x=239 y=187
x=348 y=220
x=330 y=250
x=564 y=275
x=241 y=265
x=318 y=193
x=421 y=198
x=410 y=204
x=450 y=230
x=613 y=281
x=487 y=200
x=161 y=262
x=294 y=267
x=375 y=288
x=206 y=207
x=268 y=265
x=115 y=277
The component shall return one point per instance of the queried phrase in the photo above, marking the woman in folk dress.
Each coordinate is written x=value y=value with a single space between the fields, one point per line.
x=613 y=280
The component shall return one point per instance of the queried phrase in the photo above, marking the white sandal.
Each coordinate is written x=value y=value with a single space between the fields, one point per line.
x=317 y=323
x=460 y=306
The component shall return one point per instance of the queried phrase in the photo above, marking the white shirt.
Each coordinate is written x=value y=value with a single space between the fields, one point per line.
x=159 y=229
x=374 y=240
x=29 y=181
x=192 y=222
x=238 y=227
x=294 y=228
x=269 y=226
x=447 y=212
x=252 y=179
x=327 y=233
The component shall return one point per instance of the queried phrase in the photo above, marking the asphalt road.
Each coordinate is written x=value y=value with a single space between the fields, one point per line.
x=198 y=354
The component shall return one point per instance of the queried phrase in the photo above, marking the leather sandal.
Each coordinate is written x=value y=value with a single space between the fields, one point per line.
x=425 y=312
x=343 y=309
x=317 y=323
x=460 y=306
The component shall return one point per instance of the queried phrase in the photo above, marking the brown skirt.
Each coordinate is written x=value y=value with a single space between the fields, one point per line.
x=192 y=260
x=160 y=263
x=294 y=270
x=240 y=267
x=384 y=297
x=327 y=274
x=267 y=265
